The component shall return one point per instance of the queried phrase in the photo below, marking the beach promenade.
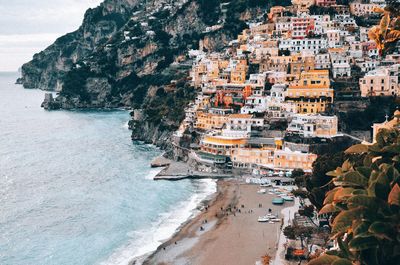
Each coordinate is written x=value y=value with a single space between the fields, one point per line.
x=227 y=231
x=288 y=214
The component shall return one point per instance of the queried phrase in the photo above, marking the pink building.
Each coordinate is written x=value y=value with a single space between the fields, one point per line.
x=302 y=26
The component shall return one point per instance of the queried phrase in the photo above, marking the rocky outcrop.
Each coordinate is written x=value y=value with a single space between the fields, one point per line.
x=49 y=103
x=48 y=68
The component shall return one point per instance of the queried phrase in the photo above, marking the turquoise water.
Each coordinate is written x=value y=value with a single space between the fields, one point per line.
x=75 y=190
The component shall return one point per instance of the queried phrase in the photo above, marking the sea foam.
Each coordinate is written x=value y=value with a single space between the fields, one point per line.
x=144 y=242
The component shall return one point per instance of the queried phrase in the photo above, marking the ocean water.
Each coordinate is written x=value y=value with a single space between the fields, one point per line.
x=74 y=189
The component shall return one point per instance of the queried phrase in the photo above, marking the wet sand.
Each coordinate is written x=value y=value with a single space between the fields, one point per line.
x=229 y=236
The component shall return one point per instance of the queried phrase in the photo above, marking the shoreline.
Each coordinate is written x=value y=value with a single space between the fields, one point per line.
x=183 y=229
x=191 y=245
x=194 y=212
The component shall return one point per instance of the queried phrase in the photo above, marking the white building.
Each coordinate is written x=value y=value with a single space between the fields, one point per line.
x=313 y=125
x=340 y=66
x=255 y=104
x=366 y=65
x=334 y=38
x=313 y=45
x=322 y=61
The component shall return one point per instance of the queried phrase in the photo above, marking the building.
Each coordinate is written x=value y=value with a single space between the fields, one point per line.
x=301 y=27
x=217 y=149
x=366 y=65
x=241 y=125
x=303 y=3
x=287 y=159
x=209 y=121
x=311 y=93
x=334 y=38
x=322 y=61
x=392 y=124
x=313 y=125
x=381 y=82
x=362 y=9
x=340 y=66
x=301 y=62
x=313 y=45
x=255 y=104
x=325 y=3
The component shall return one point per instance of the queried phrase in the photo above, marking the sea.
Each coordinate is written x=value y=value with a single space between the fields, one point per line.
x=74 y=188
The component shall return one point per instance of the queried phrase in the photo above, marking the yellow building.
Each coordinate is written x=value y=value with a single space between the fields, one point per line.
x=217 y=149
x=275 y=63
x=253 y=157
x=238 y=74
x=303 y=3
x=289 y=160
x=311 y=93
x=209 y=121
x=300 y=63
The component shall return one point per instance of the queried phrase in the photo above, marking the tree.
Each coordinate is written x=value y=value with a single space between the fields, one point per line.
x=300 y=193
x=307 y=211
x=388 y=30
x=295 y=231
x=297 y=172
x=318 y=184
x=365 y=204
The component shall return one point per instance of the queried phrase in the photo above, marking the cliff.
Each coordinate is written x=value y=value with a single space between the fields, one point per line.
x=126 y=52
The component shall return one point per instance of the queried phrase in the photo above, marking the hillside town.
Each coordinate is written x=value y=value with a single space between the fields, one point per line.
x=267 y=108
x=269 y=98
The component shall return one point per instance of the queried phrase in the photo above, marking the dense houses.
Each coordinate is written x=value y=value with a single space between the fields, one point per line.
x=274 y=83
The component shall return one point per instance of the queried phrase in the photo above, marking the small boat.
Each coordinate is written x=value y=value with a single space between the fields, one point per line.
x=270 y=193
x=278 y=201
x=266 y=185
x=270 y=222
x=263 y=219
x=275 y=220
x=262 y=191
x=288 y=198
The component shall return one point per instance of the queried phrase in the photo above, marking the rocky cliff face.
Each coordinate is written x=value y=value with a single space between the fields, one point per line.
x=48 y=68
x=126 y=51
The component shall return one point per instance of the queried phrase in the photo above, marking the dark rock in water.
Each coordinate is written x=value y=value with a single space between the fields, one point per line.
x=19 y=81
x=49 y=103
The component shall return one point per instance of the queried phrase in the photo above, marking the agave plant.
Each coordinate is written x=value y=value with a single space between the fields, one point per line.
x=365 y=205
x=388 y=30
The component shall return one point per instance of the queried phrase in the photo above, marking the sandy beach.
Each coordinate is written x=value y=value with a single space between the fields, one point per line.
x=229 y=236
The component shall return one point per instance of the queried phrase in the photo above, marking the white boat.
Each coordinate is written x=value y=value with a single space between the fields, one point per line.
x=275 y=220
x=270 y=215
x=270 y=222
x=288 y=198
x=270 y=193
x=263 y=219
x=262 y=191
x=266 y=185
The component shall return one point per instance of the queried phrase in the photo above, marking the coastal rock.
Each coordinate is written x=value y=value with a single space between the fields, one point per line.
x=49 y=103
